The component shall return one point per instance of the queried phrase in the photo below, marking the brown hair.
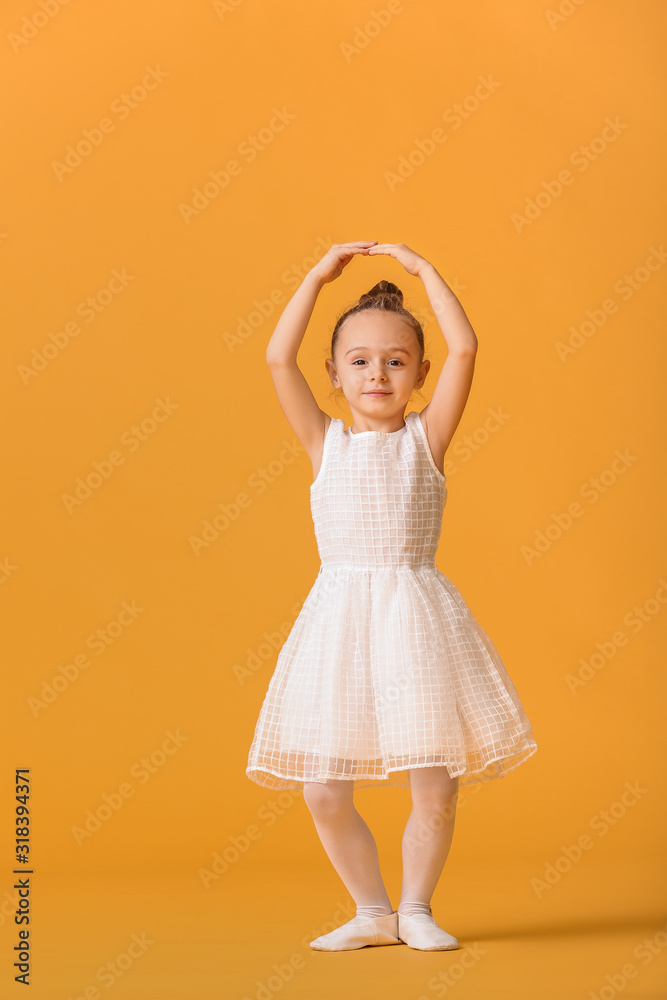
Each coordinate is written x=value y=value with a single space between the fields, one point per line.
x=384 y=295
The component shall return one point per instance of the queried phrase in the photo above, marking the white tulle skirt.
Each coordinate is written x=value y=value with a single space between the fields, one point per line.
x=386 y=670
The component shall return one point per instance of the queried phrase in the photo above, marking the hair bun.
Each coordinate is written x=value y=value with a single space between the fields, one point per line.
x=383 y=290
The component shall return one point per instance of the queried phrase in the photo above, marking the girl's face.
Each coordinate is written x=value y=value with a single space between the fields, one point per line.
x=377 y=352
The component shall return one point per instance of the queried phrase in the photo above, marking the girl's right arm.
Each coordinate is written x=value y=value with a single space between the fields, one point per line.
x=296 y=399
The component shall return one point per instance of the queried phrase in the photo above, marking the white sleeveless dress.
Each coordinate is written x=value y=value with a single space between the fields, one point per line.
x=385 y=668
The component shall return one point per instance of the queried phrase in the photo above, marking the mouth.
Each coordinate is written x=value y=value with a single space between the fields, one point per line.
x=377 y=392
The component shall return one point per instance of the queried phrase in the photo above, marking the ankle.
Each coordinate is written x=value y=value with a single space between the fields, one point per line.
x=380 y=910
x=412 y=907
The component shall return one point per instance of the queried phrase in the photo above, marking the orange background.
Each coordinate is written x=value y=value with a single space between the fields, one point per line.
x=168 y=387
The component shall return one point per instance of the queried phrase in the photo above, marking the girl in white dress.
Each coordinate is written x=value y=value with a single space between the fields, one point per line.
x=386 y=676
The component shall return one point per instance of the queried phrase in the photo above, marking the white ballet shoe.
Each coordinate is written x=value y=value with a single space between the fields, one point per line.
x=420 y=931
x=359 y=932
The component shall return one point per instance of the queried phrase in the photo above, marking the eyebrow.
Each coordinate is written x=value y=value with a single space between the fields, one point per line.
x=390 y=350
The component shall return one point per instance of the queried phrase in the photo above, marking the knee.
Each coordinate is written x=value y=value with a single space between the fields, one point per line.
x=437 y=799
x=324 y=800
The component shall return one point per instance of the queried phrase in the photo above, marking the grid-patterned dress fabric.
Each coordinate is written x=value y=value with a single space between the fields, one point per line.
x=385 y=668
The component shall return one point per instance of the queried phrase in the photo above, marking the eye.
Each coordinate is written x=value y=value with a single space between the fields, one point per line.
x=393 y=361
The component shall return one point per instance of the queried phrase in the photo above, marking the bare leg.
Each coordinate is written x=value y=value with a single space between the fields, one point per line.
x=428 y=832
x=348 y=841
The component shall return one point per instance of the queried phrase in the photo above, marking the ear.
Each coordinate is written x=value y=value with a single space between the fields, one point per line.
x=332 y=373
x=423 y=372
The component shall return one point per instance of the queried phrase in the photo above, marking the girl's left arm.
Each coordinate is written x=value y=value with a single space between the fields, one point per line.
x=441 y=416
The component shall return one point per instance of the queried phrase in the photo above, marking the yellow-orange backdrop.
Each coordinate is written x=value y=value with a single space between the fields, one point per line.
x=170 y=171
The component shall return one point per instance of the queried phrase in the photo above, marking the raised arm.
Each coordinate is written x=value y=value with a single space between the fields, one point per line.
x=296 y=399
x=441 y=416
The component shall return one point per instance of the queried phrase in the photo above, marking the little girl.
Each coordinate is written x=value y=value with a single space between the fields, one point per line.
x=386 y=671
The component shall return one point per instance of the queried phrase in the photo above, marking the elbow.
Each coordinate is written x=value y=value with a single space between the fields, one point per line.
x=278 y=361
x=469 y=351
x=271 y=356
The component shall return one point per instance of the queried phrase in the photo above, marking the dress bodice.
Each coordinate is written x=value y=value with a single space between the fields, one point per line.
x=378 y=498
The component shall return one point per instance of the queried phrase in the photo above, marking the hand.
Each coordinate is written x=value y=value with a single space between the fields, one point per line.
x=411 y=261
x=339 y=256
